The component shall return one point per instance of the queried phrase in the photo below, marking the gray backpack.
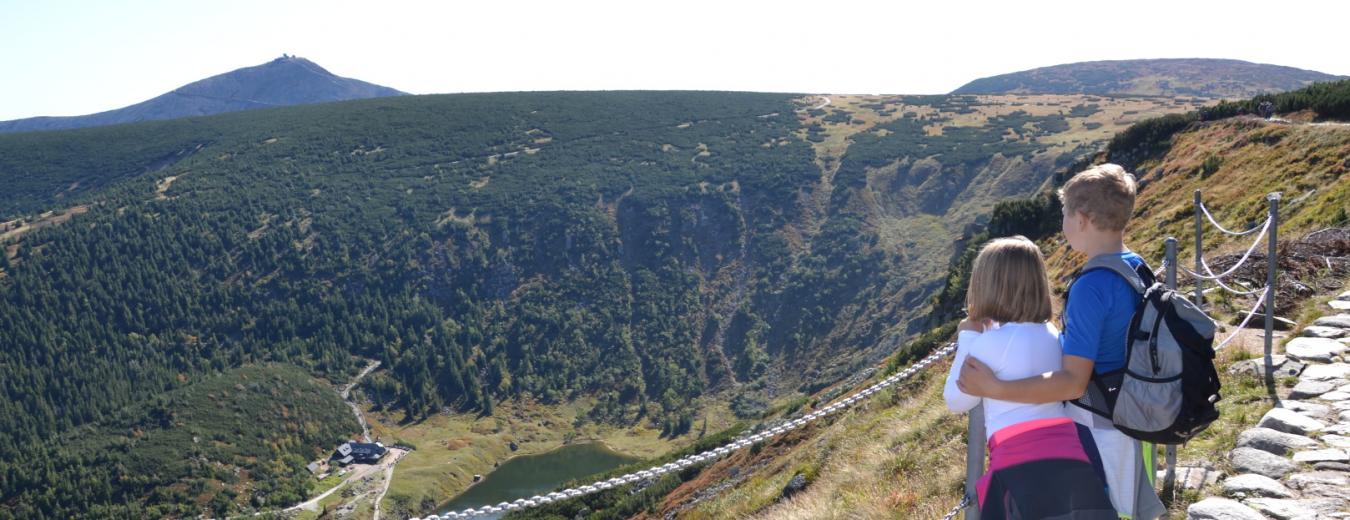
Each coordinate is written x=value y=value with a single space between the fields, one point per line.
x=1167 y=390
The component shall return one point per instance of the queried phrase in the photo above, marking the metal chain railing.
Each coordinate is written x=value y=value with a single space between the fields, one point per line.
x=965 y=501
x=706 y=456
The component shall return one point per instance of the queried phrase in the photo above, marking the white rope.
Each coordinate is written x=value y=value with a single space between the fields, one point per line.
x=1231 y=270
x=1243 y=325
x=1237 y=292
x=709 y=455
x=1221 y=228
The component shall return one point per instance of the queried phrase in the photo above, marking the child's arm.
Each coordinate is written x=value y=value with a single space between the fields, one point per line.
x=958 y=401
x=1085 y=314
x=1061 y=385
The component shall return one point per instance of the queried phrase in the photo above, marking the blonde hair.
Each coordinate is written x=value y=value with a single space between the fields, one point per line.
x=1008 y=283
x=1105 y=193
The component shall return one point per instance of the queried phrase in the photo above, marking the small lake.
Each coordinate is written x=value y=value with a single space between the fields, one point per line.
x=529 y=475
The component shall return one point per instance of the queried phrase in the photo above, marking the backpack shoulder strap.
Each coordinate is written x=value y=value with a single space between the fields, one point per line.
x=1118 y=265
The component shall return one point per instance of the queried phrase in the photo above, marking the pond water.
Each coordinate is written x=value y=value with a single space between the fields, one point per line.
x=529 y=475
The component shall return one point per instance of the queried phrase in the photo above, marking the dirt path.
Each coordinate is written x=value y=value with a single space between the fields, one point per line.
x=388 y=478
x=360 y=472
x=356 y=410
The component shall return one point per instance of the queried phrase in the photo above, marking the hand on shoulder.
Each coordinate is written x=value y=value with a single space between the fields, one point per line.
x=975 y=325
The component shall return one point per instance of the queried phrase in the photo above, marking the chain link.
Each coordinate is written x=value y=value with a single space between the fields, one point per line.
x=965 y=501
x=742 y=442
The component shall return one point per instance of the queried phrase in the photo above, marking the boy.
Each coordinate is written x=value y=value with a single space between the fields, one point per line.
x=1098 y=202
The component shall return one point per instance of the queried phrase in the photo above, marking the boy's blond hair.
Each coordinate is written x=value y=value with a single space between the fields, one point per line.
x=1008 y=283
x=1105 y=193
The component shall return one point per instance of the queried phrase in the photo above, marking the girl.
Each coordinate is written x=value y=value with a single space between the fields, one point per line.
x=1041 y=464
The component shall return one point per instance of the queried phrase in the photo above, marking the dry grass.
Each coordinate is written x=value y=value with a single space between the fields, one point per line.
x=898 y=455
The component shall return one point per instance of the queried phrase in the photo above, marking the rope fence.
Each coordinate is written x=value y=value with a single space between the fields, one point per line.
x=709 y=455
x=1266 y=232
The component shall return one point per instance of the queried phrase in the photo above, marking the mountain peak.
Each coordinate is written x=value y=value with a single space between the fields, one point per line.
x=287 y=80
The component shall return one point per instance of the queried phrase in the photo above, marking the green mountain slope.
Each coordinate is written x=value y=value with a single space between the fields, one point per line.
x=240 y=437
x=637 y=248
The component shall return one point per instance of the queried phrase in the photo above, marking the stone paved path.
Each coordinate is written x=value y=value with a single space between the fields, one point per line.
x=1295 y=463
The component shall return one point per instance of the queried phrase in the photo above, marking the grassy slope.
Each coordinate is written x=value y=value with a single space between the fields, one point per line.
x=904 y=456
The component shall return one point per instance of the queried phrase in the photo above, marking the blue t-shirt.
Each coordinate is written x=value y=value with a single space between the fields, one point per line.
x=1100 y=308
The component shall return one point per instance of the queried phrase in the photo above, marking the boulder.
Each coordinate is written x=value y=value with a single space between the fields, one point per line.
x=1336 y=441
x=1314 y=410
x=1290 y=509
x=1192 y=477
x=1214 y=508
x=1326 y=372
x=1253 y=485
x=1250 y=460
x=1335 y=395
x=1340 y=321
x=1323 y=478
x=1273 y=441
x=1332 y=466
x=1310 y=388
x=1326 y=484
x=1318 y=331
x=1283 y=366
x=797 y=483
x=1289 y=421
x=1340 y=305
x=1345 y=296
x=1320 y=350
x=1323 y=455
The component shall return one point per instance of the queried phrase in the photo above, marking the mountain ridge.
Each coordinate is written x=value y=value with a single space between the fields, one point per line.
x=284 y=81
x=1208 y=77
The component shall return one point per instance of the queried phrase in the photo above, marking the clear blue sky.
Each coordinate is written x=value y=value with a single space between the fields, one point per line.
x=77 y=57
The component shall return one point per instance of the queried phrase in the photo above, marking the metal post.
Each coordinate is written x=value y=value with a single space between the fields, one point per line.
x=1271 y=238
x=1170 y=477
x=974 y=459
x=1199 y=246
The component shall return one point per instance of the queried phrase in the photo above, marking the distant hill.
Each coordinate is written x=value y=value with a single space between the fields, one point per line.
x=1164 y=77
x=287 y=80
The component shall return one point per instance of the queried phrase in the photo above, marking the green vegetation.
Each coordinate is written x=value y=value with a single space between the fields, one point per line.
x=1330 y=100
x=625 y=501
x=240 y=438
x=636 y=249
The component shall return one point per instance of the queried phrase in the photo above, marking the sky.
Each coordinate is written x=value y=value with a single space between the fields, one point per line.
x=77 y=57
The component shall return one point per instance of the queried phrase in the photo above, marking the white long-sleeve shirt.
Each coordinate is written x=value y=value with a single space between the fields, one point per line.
x=1013 y=351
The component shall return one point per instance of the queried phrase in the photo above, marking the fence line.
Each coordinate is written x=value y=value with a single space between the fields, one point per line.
x=708 y=455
